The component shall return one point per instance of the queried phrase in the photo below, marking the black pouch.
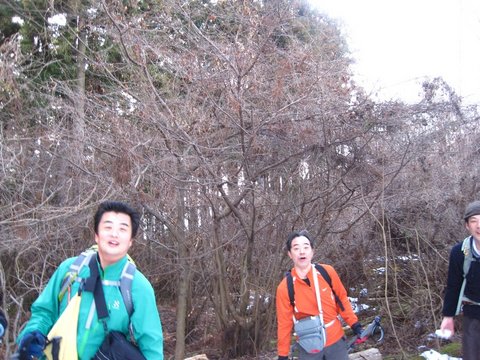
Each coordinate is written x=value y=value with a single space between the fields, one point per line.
x=117 y=347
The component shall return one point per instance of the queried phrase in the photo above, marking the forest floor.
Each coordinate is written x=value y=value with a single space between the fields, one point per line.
x=208 y=344
x=200 y=342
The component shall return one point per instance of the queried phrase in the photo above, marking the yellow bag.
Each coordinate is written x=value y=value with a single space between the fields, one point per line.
x=65 y=329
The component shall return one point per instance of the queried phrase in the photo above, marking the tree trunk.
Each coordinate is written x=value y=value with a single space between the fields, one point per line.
x=185 y=272
x=78 y=124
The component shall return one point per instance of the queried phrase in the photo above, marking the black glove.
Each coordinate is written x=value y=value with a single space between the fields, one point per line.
x=282 y=357
x=357 y=329
x=32 y=344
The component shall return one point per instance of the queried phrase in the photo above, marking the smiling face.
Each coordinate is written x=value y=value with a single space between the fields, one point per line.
x=473 y=227
x=113 y=237
x=301 y=253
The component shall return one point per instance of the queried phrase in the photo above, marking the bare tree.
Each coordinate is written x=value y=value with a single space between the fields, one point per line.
x=229 y=124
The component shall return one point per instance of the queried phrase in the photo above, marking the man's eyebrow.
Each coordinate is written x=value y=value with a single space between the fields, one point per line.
x=111 y=222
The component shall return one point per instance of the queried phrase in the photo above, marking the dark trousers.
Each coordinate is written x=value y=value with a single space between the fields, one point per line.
x=471 y=339
x=336 y=351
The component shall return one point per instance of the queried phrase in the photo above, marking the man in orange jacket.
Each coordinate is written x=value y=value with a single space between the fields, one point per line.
x=300 y=250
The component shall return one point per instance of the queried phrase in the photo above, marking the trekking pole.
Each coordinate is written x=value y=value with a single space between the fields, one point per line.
x=372 y=329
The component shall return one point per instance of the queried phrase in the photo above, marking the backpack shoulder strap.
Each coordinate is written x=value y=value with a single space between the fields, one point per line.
x=328 y=279
x=82 y=260
x=468 y=255
x=126 y=281
x=325 y=275
x=467 y=261
x=291 y=291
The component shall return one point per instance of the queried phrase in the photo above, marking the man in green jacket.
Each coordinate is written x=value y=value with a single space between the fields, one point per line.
x=115 y=224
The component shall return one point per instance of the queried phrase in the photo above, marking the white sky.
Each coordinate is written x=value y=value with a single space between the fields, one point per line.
x=398 y=43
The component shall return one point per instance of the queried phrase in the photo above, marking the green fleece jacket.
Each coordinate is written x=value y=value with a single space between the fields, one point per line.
x=90 y=333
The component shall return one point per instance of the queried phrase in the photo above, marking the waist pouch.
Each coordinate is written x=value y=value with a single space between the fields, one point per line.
x=310 y=333
x=117 y=347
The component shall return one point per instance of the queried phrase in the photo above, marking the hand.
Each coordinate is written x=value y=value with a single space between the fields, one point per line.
x=32 y=345
x=448 y=324
x=357 y=329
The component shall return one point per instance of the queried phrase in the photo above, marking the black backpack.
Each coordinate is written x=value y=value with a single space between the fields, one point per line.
x=326 y=276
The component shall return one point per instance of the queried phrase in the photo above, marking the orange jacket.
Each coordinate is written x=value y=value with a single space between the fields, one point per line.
x=306 y=305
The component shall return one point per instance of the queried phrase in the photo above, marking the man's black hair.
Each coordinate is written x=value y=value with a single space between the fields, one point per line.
x=295 y=234
x=118 y=207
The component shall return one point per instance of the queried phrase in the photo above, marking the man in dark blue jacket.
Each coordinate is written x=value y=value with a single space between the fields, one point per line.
x=3 y=324
x=471 y=296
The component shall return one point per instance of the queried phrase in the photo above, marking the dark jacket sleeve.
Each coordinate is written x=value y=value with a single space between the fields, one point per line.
x=454 y=280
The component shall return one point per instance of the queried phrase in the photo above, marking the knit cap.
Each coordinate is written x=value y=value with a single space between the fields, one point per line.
x=472 y=209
